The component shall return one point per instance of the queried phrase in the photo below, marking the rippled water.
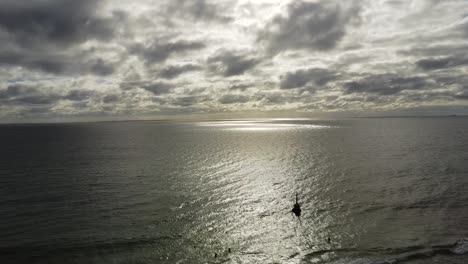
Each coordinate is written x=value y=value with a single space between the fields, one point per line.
x=385 y=190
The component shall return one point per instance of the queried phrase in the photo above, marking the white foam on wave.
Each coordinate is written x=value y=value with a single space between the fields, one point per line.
x=461 y=247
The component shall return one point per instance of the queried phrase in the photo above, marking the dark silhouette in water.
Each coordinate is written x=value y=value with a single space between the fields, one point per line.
x=328 y=240
x=297 y=208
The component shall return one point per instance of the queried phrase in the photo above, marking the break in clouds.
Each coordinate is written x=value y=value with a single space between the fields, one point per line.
x=111 y=58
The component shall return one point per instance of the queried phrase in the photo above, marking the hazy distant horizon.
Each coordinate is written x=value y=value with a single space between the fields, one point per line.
x=221 y=118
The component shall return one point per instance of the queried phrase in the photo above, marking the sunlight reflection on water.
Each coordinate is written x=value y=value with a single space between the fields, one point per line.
x=259 y=125
x=211 y=192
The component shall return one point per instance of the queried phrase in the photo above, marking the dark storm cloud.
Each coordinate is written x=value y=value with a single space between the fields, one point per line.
x=61 y=22
x=102 y=68
x=228 y=63
x=173 y=71
x=79 y=95
x=440 y=50
x=197 y=10
x=310 y=25
x=452 y=79
x=276 y=99
x=42 y=62
x=303 y=77
x=185 y=101
x=19 y=94
x=35 y=96
x=160 y=51
x=386 y=84
x=154 y=87
x=463 y=27
x=433 y=64
x=55 y=64
x=461 y=95
x=18 y=89
x=3 y=94
x=110 y=98
x=241 y=87
x=44 y=35
x=442 y=63
x=233 y=99
x=430 y=96
x=158 y=88
x=130 y=85
x=37 y=99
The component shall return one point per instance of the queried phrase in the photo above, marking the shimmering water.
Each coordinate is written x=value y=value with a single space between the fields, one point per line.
x=390 y=190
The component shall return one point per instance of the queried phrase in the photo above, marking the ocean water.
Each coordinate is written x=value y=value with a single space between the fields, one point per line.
x=377 y=190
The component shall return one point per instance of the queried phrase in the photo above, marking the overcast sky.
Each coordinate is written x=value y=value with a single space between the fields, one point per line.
x=117 y=58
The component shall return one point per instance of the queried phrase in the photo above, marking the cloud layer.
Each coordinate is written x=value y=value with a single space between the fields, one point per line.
x=64 y=58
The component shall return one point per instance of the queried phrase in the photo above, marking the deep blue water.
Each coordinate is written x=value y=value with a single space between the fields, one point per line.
x=384 y=190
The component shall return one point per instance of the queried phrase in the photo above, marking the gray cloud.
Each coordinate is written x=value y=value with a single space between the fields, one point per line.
x=233 y=98
x=173 y=71
x=158 y=88
x=297 y=55
x=463 y=27
x=434 y=95
x=36 y=62
x=56 y=64
x=461 y=95
x=227 y=63
x=19 y=94
x=185 y=101
x=3 y=94
x=303 y=77
x=130 y=85
x=110 y=98
x=277 y=98
x=454 y=78
x=310 y=25
x=197 y=10
x=159 y=51
x=79 y=95
x=102 y=68
x=241 y=87
x=60 y=22
x=386 y=84
x=442 y=63
x=24 y=95
x=45 y=35
x=438 y=50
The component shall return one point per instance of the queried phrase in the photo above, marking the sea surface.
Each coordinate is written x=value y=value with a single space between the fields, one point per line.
x=372 y=190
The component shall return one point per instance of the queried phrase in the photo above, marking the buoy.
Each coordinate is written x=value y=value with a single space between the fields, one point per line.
x=297 y=208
